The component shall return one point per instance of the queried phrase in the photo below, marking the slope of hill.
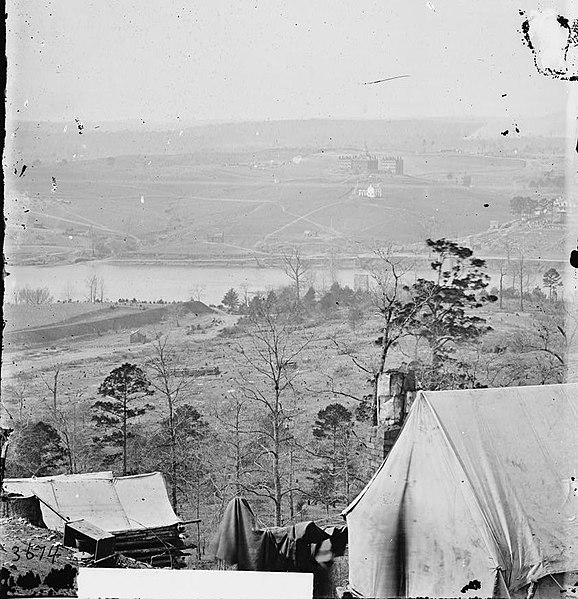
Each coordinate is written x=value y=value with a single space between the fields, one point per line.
x=57 y=141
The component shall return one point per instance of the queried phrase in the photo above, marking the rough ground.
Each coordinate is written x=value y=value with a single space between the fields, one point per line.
x=34 y=562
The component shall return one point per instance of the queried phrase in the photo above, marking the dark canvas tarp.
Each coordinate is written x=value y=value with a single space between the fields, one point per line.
x=480 y=486
x=113 y=504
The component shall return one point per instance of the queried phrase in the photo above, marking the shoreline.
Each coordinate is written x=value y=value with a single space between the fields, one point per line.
x=273 y=262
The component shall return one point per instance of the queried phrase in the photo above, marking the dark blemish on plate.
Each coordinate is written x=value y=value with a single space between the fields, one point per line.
x=24 y=167
x=504 y=133
x=486 y=205
x=504 y=95
x=574 y=258
x=473 y=585
x=79 y=125
x=572 y=40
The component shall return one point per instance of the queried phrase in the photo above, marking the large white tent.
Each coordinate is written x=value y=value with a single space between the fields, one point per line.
x=478 y=497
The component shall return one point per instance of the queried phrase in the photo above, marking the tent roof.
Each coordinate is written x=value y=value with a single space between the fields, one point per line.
x=113 y=504
x=506 y=457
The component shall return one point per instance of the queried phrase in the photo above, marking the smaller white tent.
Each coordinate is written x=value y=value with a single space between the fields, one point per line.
x=478 y=497
x=125 y=503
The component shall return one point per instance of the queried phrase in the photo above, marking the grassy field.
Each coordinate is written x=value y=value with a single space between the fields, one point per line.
x=23 y=316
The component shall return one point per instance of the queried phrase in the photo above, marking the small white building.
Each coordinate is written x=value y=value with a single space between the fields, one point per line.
x=370 y=192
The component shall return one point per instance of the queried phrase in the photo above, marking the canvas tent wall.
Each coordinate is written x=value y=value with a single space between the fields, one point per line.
x=480 y=486
x=114 y=504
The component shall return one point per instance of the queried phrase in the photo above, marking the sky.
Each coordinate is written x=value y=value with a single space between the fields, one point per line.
x=108 y=60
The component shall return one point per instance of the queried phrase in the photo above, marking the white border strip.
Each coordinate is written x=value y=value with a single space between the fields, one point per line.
x=99 y=583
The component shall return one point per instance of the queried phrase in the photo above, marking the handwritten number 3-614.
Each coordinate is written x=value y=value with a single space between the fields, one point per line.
x=29 y=554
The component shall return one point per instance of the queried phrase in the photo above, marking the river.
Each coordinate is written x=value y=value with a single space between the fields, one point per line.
x=172 y=282
x=168 y=282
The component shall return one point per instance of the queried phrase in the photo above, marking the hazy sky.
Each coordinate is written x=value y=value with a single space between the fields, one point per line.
x=271 y=59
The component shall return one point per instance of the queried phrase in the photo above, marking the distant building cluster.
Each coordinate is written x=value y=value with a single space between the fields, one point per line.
x=370 y=163
x=392 y=165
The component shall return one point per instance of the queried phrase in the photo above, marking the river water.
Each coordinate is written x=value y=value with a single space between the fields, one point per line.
x=153 y=282
x=172 y=282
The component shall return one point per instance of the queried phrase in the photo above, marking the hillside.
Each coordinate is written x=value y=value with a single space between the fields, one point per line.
x=34 y=141
x=248 y=205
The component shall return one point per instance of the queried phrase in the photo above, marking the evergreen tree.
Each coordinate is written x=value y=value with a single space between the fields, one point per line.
x=122 y=389
x=231 y=300
x=39 y=451
x=309 y=298
x=333 y=431
x=445 y=315
x=552 y=280
x=447 y=303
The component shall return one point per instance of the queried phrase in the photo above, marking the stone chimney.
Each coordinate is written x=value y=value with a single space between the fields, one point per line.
x=396 y=391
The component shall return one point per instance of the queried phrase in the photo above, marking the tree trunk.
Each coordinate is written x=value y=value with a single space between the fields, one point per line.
x=346 y=460
x=237 y=459
x=291 y=499
x=173 y=434
x=174 y=474
x=521 y=285
x=124 y=437
x=55 y=391
x=276 y=470
x=298 y=290
x=501 y=288
x=380 y=370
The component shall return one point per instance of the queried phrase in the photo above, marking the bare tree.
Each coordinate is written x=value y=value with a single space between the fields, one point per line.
x=69 y=420
x=245 y=295
x=101 y=289
x=538 y=352
x=68 y=292
x=236 y=421
x=521 y=276
x=295 y=267
x=396 y=310
x=272 y=346
x=551 y=332
x=503 y=271
x=52 y=386
x=33 y=296
x=197 y=292
x=171 y=380
x=18 y=392
x=91 y=288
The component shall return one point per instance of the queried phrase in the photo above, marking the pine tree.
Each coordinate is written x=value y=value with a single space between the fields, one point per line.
x=122 y=388
x=445 y=316
x=39 y=451
x=231 y=300
x=333 y=431
x=446 y=303
x=552 y=279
